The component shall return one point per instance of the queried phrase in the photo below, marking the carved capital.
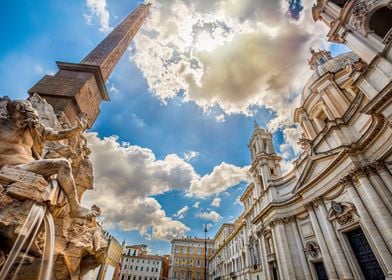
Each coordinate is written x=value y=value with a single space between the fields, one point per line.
x=317 y=201
x=347 y=181
x=379 y=165
x=371 y=170
x=283 y=220
x=309 y=206
x=358 y=172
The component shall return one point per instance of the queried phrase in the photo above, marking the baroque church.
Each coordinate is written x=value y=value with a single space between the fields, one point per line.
x=330 y=217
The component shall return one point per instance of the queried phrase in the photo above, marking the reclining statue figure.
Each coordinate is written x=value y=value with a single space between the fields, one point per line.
x=22 y=138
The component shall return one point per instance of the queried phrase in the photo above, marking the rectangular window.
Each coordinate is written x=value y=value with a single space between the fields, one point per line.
x=199 y=251
x=136 y=268
x=191 y=250
x=183 y=261
x=147 y=268
x=134 y=277
x=184 y=249
x=141 y=268
x=177 y=249
x=129 y=277
x=131 y=267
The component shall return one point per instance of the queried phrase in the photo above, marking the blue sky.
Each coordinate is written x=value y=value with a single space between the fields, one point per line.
x=214 y=127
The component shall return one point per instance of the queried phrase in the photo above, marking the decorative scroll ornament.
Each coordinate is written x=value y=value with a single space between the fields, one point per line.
x=343 y=213
x=359 y=13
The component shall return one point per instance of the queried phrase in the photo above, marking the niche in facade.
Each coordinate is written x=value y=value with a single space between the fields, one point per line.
x=380 y=22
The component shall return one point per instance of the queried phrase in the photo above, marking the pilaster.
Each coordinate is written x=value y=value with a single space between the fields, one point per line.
x=333 y=244
x=369 y=226
x=374 y=203
x=327 y=260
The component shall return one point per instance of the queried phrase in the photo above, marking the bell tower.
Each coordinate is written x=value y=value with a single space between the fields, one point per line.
x=80 y=87
x=265 y=161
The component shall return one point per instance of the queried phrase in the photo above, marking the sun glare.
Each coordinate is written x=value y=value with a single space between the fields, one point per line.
x=205 y=42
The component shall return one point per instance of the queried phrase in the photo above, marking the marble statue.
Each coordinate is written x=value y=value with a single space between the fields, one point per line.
x=22 y=138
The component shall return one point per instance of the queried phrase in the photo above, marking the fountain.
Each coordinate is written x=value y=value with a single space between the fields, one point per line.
x=37 y=216
x=33 y=200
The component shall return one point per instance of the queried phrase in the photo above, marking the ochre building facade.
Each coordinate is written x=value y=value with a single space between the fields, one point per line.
x=330 y=217
x=187 y=258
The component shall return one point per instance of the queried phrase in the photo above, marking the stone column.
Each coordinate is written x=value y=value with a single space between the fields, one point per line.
x=381 y=188
x=266 y=271
x=300 y=249
x=282 y=249
x=333 y=244
x=329 y=266
x=374 y=203
x=367 y=223
x=384 y=174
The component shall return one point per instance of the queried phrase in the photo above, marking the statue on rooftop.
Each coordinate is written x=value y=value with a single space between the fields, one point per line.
x=22 y=138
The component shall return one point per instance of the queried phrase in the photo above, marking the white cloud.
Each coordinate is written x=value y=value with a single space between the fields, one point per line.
x=220 y=118
x=222 y=177
x=286 y=166
x=125 y=178
x=190 y=155
x=234 y=54
x=238 y=200
x=210 y=216
x=98 y=9
x=196 y=205
x=181 y=213
x=216 y=202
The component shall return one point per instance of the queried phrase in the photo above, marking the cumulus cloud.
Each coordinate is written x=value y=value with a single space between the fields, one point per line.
x=196 y=205
x=210 y=216
x=181 y=213
x=126 y=177
x=219 y=180
x=216 y=202
x=98 y=9
x=190 y=155
x=238 y=55
x=220 y=118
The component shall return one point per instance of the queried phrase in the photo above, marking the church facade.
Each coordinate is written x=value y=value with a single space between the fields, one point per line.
x=330 y=217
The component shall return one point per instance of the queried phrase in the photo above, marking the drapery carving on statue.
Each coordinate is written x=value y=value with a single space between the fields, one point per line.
x=22 y=138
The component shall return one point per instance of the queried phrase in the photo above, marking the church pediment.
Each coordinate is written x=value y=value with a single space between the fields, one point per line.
x=316 y=167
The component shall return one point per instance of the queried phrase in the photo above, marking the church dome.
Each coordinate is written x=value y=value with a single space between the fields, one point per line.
x=322 y=63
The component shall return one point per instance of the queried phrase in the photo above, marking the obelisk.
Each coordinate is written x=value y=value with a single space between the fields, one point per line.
x=80 y=87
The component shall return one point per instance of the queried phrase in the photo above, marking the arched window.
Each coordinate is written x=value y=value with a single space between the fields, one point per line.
x=380 y=22
x=340 y=3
